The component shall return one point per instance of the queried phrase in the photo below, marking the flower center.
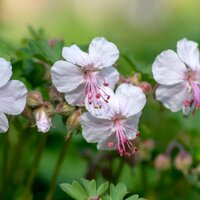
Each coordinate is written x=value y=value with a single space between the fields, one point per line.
x=94 y=90
x=123 y=145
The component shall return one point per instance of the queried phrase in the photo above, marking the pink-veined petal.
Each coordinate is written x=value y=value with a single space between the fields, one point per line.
x=108 y=109
x=109 y=75
x=5 y=71
x=75 y=55
x=3 y=123
x=76 y=97
x=173 y=96
x=66 y=76
x=94 y=129
x=189 y=53
x=131 y=99
x=13 y=97
x=103 y=53
x=168 y=69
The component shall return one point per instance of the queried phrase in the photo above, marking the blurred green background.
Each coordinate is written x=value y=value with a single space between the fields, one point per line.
x=140 y=29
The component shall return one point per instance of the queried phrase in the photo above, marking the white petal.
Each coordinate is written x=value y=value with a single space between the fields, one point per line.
x=173 y=96
x=108 y=110
x=76 y=97
x=130 y=126
x=66 y=76
x=75 y=55
x=13 y=97
x=131 y=99
x=104 y=144
x=189 y=53
x=110 y=75
x=103 y=53
x=95 y=129
x=5 y=71
x=3 y=123
x=168 y=69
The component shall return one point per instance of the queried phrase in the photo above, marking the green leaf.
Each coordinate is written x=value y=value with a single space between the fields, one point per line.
x=118 y=192
x=133 y=197
x=75 y=190
x=102 y=188
x=90 y=187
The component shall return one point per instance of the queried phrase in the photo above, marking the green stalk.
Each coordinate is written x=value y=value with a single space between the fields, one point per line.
x=57 y=168
x=35 y=165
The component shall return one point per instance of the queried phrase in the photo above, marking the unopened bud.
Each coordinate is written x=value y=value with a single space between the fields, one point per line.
x=136 y=78
x=64 y=108
x=145 y=86
x=183 y=161
x=34 y=99
x=43 y=119
x=55 y=95
x=73 y=121
x=52 y=42
x=162 y=162
x=146 y=148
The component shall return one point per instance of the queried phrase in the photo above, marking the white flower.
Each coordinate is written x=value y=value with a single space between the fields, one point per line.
x=179 y=77
x=43 y=121
x=86 y=74
x=116 y=123
x=12 y=95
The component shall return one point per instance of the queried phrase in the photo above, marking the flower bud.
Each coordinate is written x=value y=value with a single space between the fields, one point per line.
x=145 y=86
x=183 y=161
x=136 y=78
x=146 y=148
x=43 y=119
x=162 y=162
x=34 y=99
x=55 y=95
x=64 y=108
x=73 y=121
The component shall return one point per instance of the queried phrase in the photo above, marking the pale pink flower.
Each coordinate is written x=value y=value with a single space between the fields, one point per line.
x=86 y=74
x=12 y=95
x=179 y=77
x=116 y=123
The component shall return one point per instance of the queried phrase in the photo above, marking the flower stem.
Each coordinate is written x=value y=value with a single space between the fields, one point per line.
x=57 y=168
x=4 y=167
x=35 y=165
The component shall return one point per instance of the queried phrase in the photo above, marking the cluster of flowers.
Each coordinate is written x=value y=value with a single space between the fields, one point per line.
x=89 y=79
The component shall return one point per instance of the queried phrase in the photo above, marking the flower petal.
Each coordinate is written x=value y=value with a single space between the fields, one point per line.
x=110 y=75
x=76 y=97
x=75 y=55
x=95 y=129
x=5 y=71
x=131 y=99
x=13 y=97
x=189 y=53
x=173 y=96
x=168 y=69
x=104 y=143
x=66 y=76
x=3 y=123
x=103 y=53
x=108 y=109
x=130 y=126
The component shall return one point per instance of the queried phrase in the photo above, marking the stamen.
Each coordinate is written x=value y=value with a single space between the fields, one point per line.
x=196 y=93
x=94 y=91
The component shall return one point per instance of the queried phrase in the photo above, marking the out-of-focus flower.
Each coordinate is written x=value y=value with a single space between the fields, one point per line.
x=12 y=95
x=162 y=162
x=116 y=123
x=34 y=99
x=86 y=74
x=178 y=75
x=43 y=119
x=146 y=148
x=183 y=161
